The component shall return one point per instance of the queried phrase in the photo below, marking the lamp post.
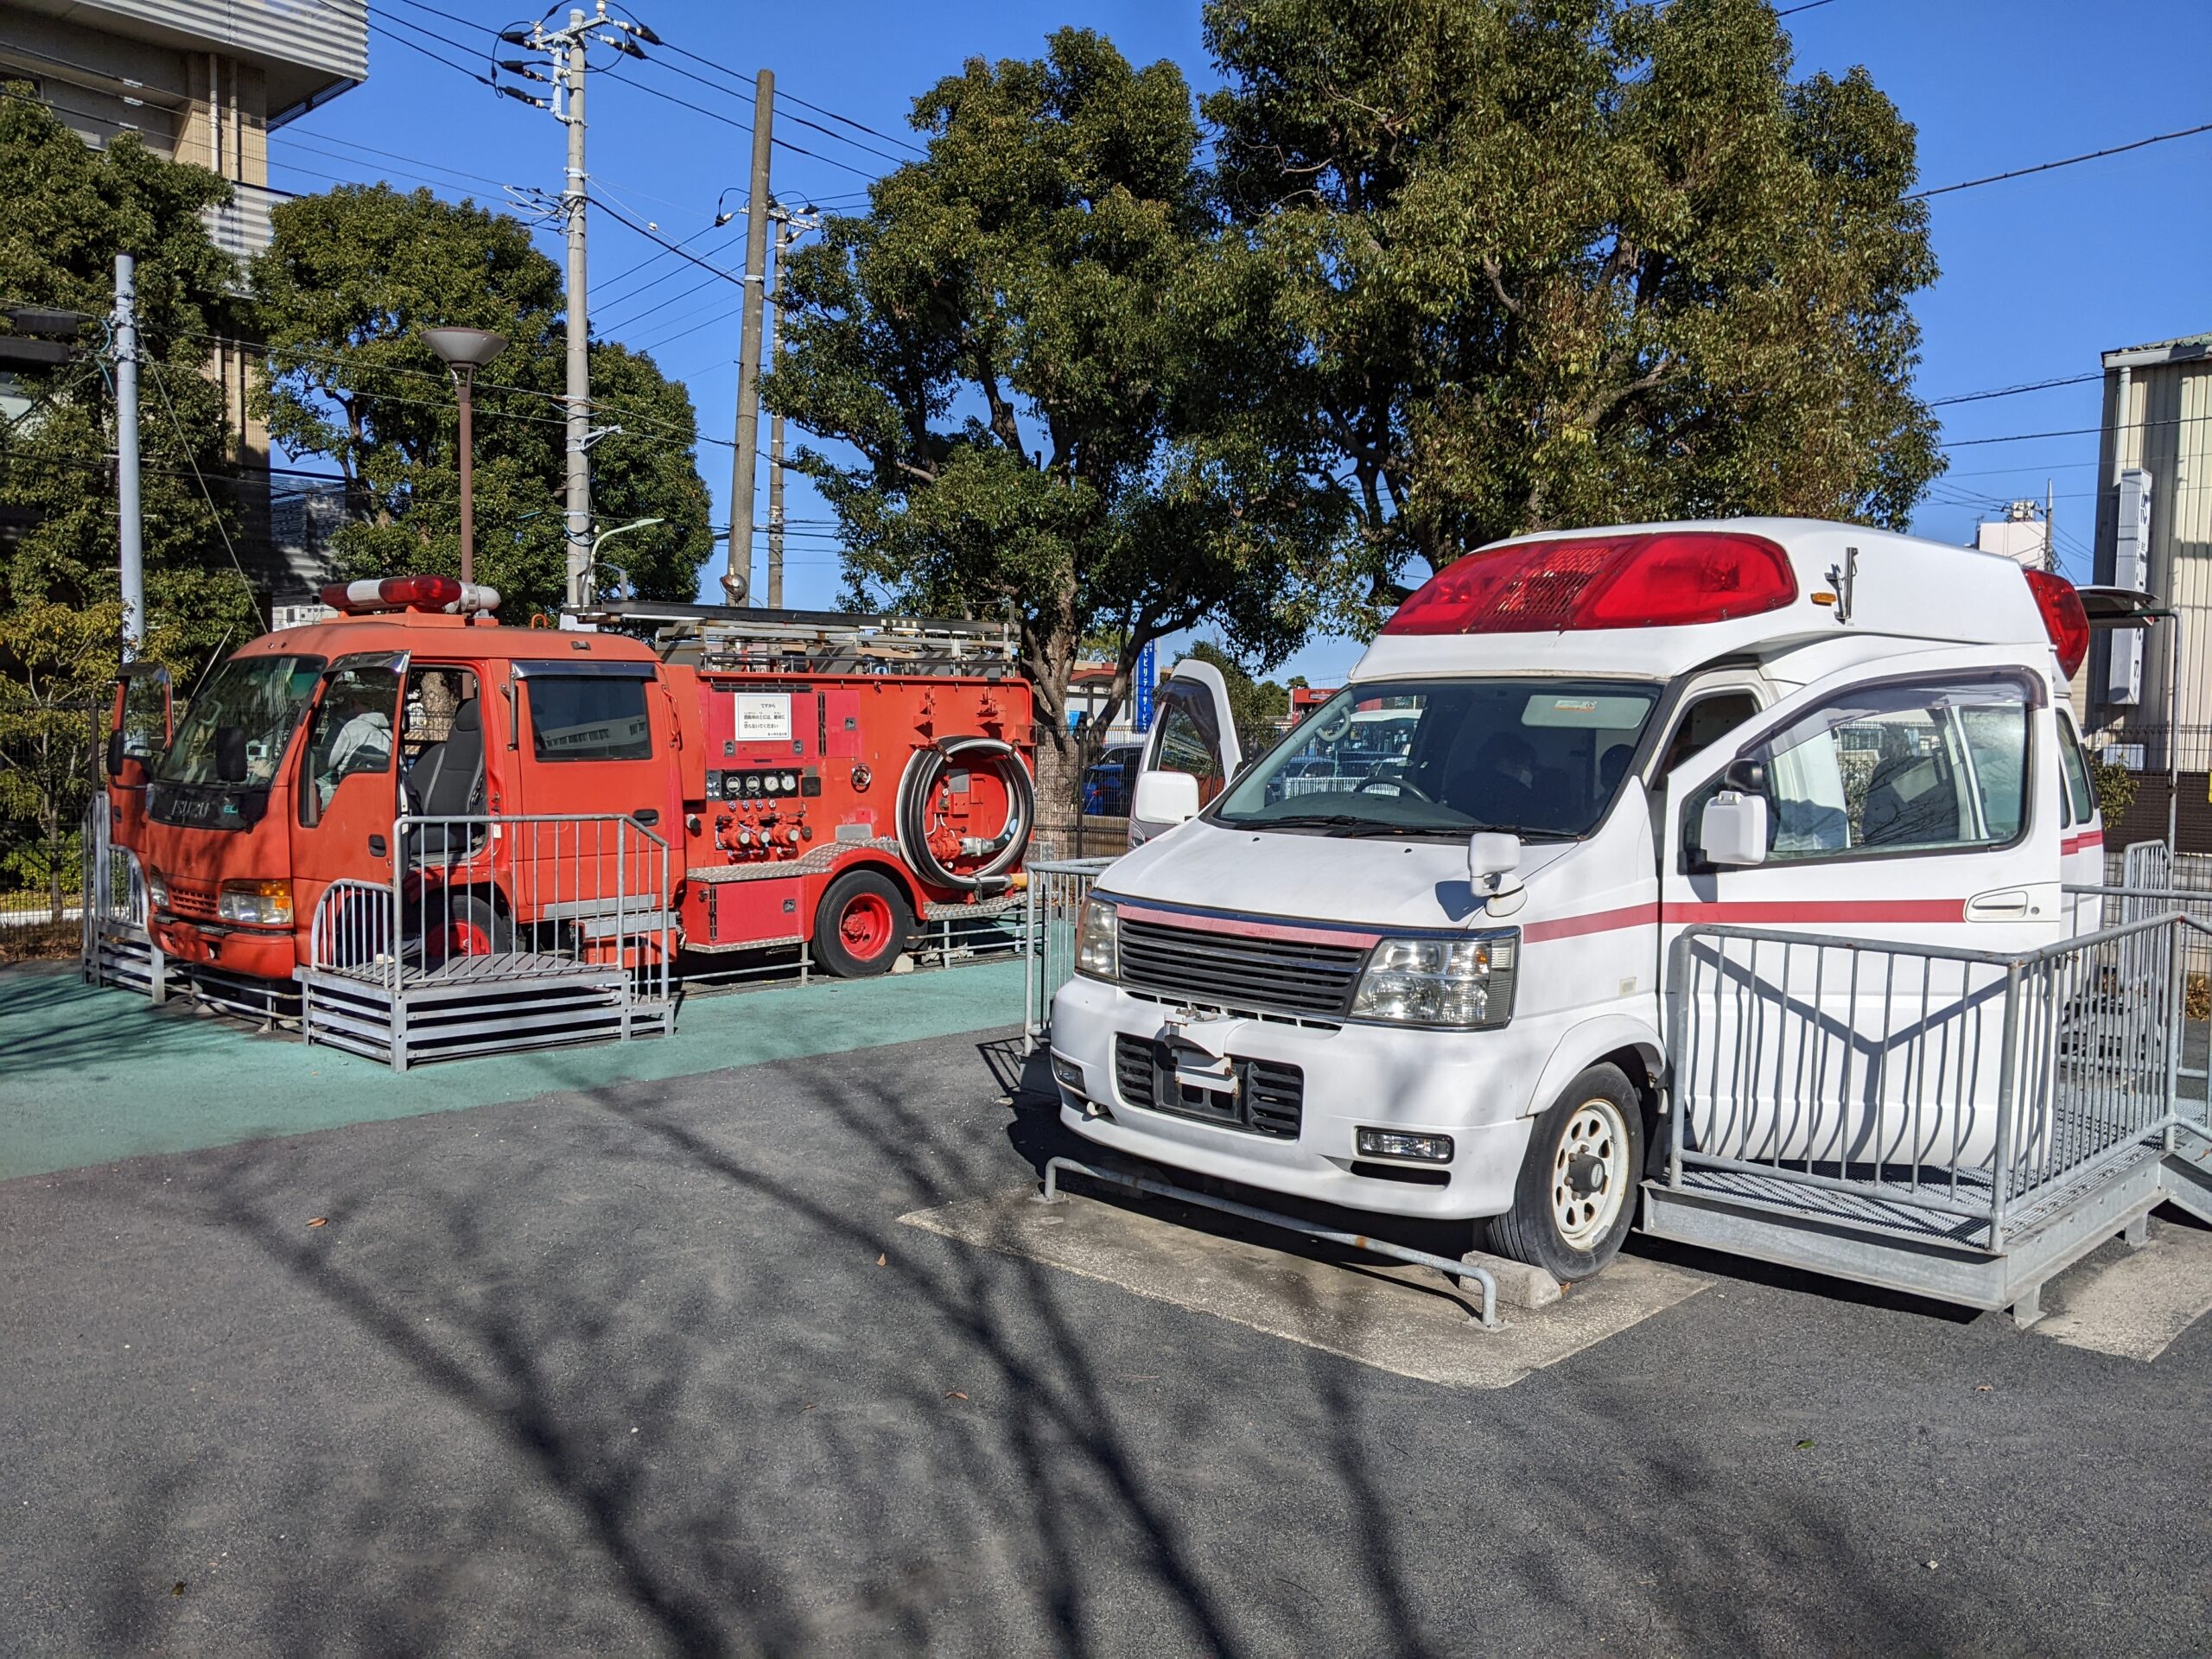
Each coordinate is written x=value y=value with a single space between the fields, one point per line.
x=591 y=579
x=464 y=351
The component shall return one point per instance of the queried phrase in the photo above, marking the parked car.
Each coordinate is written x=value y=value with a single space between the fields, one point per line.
x=1106 y=780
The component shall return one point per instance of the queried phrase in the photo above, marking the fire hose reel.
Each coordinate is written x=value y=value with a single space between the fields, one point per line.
x=925 y=770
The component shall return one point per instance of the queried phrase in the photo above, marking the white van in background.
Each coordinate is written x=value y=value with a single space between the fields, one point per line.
x=1435 y=987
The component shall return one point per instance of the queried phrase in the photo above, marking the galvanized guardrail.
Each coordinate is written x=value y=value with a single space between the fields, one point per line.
x=495 y=933
x=116 y=948
x=1058 y=888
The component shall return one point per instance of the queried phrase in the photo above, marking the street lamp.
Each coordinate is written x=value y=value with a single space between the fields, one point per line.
x=601 y=540
x=464 y=351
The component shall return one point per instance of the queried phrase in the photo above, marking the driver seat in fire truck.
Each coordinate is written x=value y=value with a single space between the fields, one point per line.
x=447 y=781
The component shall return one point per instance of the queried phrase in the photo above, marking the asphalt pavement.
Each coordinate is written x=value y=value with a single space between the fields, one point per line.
x=652 y=1366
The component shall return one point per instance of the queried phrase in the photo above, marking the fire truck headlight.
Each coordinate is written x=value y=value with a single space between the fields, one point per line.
x=1460 y=983
x=254 y=904
x=157 y=889
x=1097 y=953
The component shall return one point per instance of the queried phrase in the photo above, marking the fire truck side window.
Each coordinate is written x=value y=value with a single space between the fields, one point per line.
x=588 y=718
x=352 y=727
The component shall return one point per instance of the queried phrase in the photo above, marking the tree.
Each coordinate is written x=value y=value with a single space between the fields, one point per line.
x=1556 y=262
x=1021 y=342
x=71 y=209
x=341 y=296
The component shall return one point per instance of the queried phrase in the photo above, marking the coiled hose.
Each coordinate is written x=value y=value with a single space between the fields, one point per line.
x=925 y=769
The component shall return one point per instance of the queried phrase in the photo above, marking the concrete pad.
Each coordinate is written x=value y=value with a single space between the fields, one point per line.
x=2138 y=1304
x=1397 y=1319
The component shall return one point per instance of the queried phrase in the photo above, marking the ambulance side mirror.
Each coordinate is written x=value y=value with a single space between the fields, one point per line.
x=1492 y=857
x=1166 y=797
x=1731 y=834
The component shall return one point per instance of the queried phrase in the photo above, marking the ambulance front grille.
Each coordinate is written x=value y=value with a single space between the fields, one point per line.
x=1223 y=970
x=1269 y=1099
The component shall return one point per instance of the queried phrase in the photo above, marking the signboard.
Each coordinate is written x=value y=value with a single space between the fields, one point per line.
x=1148 y=671
x=763 y=716
x=2130 y=569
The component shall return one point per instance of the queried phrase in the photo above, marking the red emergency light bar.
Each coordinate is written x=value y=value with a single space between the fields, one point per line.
x=410 y=594
x=1652 y=579
x=2063 y=619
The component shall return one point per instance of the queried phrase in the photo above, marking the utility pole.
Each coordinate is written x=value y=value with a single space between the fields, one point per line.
x=126 y=455
x=738 y=582
x=567 y=48
x=789 y=228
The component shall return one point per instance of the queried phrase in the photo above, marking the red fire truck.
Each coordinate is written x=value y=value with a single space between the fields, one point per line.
x=742 y=778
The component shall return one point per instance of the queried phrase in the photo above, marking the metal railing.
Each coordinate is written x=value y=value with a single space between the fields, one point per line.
x=497 y=899
x=1973 y=1089
x=1058 y=888
x=111 y=913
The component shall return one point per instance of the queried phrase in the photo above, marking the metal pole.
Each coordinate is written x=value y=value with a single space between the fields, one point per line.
x=2173 y=732
x=785 y=237
x=126 y=455
x=738 y=582
x=465 y=379
x=579 y=388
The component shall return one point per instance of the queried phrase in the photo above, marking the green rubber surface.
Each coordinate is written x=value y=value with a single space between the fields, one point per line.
x=88 y=1076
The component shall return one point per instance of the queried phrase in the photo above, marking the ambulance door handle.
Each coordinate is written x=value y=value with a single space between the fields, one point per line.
x=2009 y=905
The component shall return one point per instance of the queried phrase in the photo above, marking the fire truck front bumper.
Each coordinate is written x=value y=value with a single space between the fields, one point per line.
x=256 y=953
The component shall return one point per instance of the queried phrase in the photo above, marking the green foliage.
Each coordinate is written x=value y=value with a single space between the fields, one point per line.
x=1025 y=340
x=342 y=295
x=1557 y=263
x=2115 y=785
x=72 y=208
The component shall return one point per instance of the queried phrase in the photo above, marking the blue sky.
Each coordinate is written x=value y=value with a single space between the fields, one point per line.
x=2039 y=275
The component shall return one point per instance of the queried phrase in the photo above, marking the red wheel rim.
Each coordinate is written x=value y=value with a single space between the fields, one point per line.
x=864 y=928
x=466 y=939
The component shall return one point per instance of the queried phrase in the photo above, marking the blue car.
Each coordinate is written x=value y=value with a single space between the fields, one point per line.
x=1107 y=780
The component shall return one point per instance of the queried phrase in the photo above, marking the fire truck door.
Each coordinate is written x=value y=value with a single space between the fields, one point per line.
x=597 y=745
x=139 y=730
x=347 y=791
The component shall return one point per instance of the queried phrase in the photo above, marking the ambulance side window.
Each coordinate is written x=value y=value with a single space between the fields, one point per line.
x=2081 y=799
x=1895 y=768
x=1705 y=722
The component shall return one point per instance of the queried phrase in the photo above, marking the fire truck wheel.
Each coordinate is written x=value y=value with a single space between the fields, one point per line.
x=862 y=926
x=466 y=925
x=1575 y=1200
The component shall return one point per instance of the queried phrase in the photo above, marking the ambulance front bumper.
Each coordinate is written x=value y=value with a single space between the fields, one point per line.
x=1472 y=1086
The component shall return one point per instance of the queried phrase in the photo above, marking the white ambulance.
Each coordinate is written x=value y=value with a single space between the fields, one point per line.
x=1427 y=980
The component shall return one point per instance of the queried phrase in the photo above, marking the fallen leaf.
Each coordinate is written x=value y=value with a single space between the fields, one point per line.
x=1985 y=1387
x=954 y=1394
x=1804 y=1446
x=177 y=1589
x=320 y=1221
x=881 y=1259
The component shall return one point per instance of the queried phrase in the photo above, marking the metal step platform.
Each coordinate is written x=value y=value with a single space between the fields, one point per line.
x=497 y=1004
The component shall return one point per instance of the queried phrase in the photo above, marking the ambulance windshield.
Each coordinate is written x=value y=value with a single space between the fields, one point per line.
x=1542 y=758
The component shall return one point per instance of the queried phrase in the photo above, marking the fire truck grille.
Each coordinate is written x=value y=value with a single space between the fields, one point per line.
x=192 y=901
x=1223 y=971
x=1270 y=1097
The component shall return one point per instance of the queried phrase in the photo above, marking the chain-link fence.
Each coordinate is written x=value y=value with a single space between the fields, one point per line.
x=50 y=771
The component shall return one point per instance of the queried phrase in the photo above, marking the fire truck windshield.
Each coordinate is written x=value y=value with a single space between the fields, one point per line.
x=263 y=698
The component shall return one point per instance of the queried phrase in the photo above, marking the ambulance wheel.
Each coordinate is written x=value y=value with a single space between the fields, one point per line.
x=463 y=925
x=862 y=926
x=1575 y=1199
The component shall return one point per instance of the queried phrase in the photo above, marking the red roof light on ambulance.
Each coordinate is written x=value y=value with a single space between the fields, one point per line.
x=441 y=594
x=2063 y=619
x=1659 y=579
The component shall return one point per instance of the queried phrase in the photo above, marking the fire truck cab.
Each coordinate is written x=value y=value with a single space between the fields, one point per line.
x=496 y=780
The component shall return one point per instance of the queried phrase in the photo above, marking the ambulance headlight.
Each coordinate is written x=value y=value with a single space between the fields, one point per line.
x=254 y=904
x=1097 y=952
x=1458 y=983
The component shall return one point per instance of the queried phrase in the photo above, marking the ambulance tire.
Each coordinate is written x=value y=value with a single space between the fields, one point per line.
x=1575 y=1203
x=862 y=926
x=466 y=925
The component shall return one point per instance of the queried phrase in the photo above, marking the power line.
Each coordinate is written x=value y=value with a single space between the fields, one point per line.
x=677 y=249
x=2073 y=432
x=2013 y=391
x=2070 y=160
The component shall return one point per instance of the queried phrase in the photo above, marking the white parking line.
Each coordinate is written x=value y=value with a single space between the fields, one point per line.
x=2138 y=1304
x=1400 y=1319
